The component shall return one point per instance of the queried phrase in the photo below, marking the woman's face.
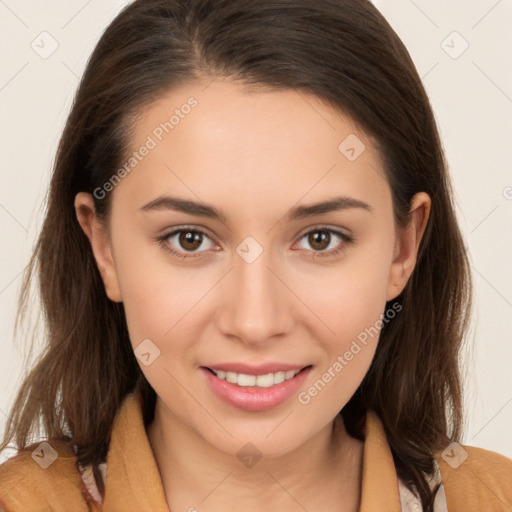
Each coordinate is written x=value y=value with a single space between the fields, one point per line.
x=257 y=275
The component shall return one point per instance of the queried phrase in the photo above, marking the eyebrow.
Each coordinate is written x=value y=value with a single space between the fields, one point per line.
x=296 y=213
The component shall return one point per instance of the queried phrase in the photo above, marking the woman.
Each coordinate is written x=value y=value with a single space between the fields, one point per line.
x=255 y=285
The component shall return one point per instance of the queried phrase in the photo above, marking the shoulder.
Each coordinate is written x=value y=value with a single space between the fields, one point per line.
x=475 y=478
x=43 y=476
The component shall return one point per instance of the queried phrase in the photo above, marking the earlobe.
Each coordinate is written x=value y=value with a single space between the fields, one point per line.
x=407 y=245
x=100 y=243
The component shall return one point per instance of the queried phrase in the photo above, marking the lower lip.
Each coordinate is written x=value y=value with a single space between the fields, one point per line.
x=252 y=398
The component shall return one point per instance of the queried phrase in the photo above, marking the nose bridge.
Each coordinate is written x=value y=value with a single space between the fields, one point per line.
x=256 y=307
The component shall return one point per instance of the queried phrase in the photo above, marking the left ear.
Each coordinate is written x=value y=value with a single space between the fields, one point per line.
x=407 y=244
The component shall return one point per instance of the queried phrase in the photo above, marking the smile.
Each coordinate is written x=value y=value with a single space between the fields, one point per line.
x=251 y=392
x=260 y=381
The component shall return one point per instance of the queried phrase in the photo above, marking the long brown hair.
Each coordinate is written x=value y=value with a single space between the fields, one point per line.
x=342 y=51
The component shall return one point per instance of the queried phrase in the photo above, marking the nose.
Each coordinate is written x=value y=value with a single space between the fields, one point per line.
x=256 y=305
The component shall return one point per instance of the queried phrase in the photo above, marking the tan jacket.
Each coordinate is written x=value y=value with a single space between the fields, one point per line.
x=46 y=477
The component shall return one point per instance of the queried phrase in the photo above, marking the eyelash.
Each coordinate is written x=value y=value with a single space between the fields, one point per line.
x=162 y=240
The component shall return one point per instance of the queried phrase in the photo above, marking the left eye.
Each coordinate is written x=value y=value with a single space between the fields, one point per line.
x=324 y=240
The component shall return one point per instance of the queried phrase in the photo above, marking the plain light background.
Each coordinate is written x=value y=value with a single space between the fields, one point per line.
x=462 y=52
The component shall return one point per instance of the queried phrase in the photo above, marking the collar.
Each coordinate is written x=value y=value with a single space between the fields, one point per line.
x=133 y=482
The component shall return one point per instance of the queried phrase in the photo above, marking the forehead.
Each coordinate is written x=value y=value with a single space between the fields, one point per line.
x=218 y=139
x=223 y=114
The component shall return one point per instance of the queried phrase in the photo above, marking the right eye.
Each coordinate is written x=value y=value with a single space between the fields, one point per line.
x=184 y=242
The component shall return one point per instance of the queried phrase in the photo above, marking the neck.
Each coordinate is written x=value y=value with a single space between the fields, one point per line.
x=324 y=473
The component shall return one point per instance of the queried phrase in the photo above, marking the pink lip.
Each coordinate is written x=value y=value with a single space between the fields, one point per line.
x=252 y=398
x=261 y=369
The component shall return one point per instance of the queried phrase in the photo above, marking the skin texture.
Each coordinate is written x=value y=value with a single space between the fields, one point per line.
x=254 y=156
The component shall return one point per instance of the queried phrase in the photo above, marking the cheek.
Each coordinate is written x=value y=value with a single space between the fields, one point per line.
x=156 y=308
x=354 y=315
x=350 y=300
x=156 y=295
x=350 y=296
x=159 y=307
x=361 y=301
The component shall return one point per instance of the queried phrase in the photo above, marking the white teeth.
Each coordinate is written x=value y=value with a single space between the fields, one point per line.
x=232 y=377
x=246 y=380
x=279 y=377
x=264 y=381
x=260 y=381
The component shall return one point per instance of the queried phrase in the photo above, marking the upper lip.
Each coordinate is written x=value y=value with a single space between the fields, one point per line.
x=261 y=369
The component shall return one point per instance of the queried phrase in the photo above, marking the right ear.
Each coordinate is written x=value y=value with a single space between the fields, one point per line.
x=100 y=243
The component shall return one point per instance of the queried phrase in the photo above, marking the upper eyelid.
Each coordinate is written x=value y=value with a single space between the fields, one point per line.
x=320 y=227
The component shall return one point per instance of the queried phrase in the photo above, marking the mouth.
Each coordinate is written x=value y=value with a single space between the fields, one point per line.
x=256 y=391
x=257 y=380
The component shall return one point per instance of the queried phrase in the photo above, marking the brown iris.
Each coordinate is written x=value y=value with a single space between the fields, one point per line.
x=190 y=237
x=319 y=237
